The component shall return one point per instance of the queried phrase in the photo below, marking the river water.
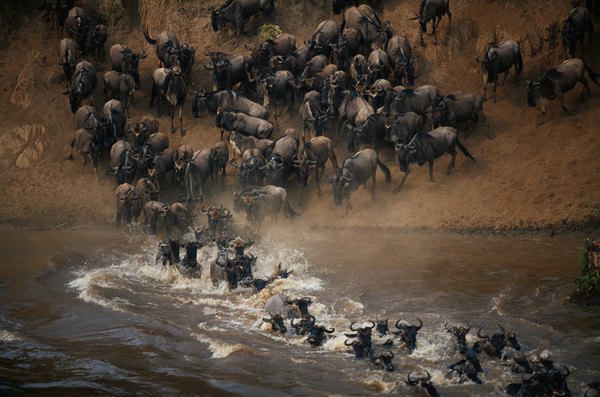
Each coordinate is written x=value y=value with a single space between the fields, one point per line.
x=86 y=312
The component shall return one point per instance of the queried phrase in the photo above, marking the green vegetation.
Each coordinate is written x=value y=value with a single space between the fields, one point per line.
x=268 y=32
x=588 y=285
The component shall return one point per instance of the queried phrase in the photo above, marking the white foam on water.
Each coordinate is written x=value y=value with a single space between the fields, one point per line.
x=220 y=348
x=7 y=336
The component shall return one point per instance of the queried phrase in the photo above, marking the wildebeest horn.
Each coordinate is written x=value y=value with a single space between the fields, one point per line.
x=346 y=342
x=351 y=335
x=389 y=354
x=306 y=300
x=372 y=326
x=420 y=324
x=290 y=302
x=294 y=325
x=502 y=329
x=398 y=325
x=480 y=335
x=409 y=379
x=428 y=375
x=567 y=370
x=477 y=60
x=329 y=331
x=352 y=325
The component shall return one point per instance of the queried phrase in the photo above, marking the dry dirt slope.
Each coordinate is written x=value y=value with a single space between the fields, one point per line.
x=526 y=177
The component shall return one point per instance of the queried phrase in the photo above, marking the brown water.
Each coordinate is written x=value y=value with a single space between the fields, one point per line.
x=86 y=312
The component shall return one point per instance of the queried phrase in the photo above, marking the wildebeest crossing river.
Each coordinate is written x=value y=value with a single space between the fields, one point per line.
x=86 y=312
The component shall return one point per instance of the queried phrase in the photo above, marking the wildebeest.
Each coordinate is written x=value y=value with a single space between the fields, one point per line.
x=314 y=156
x=244 y=124
x=375 y=33
x=121 y=163
x=119 y=86
x=499 y=58
x=404 y=127
x=556 y=81
x=76 y=26
x=280 y=165
x=363 y=335
x=217 y=101
x=154 y=212
x=305 y=324
x=87 y=117
x=460 y=333
x=198 y=172
x=56 y=11
x=236 y=11
x=168 y=50
x=228 y=70
x=85 y=144
x=356 y=171
x=495 y=345
x=219 y=155
x=312 y=117
x=348 y=106
x=275 y=87
x=83 y=84
x=408 y=334
x=126 y=198
x=432 y=10
x=266 y=201
x=378 y=66
x=249 y=169
x=114 y=117
x=276 y=322
x=68 y=54
x=401 y=59
x=459 y=108
x=99 y=36
x=179 y=219
x=370 y=133
x=423 y=382
x=325 y=33
x=418 y=100
x=174 y=91
x=383 y=360
x=142 y=129
x=124 y=60
x=240 y=143
x=316 y=335
x=160 y=165
x=573 y=29
x=426 y=146
x=349 y=44
x=146 y=191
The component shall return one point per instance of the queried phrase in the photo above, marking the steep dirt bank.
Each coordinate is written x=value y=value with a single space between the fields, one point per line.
x=526 y=177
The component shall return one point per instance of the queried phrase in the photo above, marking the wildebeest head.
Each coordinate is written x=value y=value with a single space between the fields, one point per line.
x=132 y=62
x=299 y=306
x=382 y=327
x=494 y=345
x=383 y=360
x=276 y=321
x=460 y=333
x=408 y=334
x=405 y=154
x=216 y=216
x=357 y=347
x=304 y=169
x=304 y=325
x=317 y=335
x=532 y=91
x=362 y=333
x=215 y=16
x=199 y=103
x=342 y=186
x=423 y=381
x=569 y=33
x=126 y=195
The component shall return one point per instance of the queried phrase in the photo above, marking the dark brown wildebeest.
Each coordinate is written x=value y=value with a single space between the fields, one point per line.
x=68 y=54
x=119 y=86
x=244 y=124
x=556 y=81
x=217 y=101
x=574 y=28
x=432 y=10
x=82 y=86
x=76 y=26
x=124 y=60
x=266 y=201
x=499 y=58
x=314 y=157
x=399 y=51
x=236 y=11
x=426 y=146
x=460 y=108
x=99 y=37
x=126 y=198
x=86 y=146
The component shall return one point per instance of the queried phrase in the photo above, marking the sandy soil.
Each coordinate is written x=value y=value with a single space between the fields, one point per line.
x=526 y=177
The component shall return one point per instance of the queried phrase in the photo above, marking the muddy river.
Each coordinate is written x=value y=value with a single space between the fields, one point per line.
x=86 y=312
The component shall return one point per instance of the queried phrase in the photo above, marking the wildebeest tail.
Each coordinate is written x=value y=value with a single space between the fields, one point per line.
x=385 y=170
x=593 y=75
x=464 y=150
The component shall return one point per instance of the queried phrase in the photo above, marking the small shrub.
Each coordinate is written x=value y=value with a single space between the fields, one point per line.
x=268 y=32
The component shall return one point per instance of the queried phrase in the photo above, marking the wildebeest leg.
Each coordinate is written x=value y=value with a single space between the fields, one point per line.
x=586 y=87
x=495 y=84
x=431 y=170
x=561 y=99
x=374 y=185
x=397 y=188
x=449 y=19
x=181 y=130
x=172 y=116
x=504 y=79
x=452 y=160
x=435 y=41
x=153 y=94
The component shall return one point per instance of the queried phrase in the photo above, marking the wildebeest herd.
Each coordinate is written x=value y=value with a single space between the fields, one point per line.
x=353 y=80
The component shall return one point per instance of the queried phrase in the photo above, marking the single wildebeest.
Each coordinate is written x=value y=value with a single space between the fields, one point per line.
x=382 y=327
x=76 y=26
x=68 y=54
x=240 y=143
x=383 y=360
x=119 y=86
x=460 y=333
x=236 y=11
x=217 y=219
x=296 y=61
x=276 y=322
x=303 y=327
x=155 y=144
x=426 y=146
x=244 y=124
x=423 y=382
x=358 y=348
x=126 y=198
x=266 y=201
x=217 y=101
x=99 y=36
x=122 y=163
x=219 y=155
x=56 y=12
x=316 y=335
x=84 y=143
x=573 y=30
x=356 y=171
x=363 y=335
x=124 y=60
x=326 y=32
x=401 y=59
x=278 y=86
x=146 y=191
x=408 y=100
x=198 y=171
x=494 y=345
x=348 y=107
x=228 y=71
x=404 y=127
x=87 y=117
x=466 y=369
x=314 y=156
x=154 y=213
x=348 y=44
x=312 y=117
x=114 y=117
x=460 y=108
x=174 y=91
x=378 y=93
x=299 y=306
x=179 y=219
x=142 y=130
x=555 y=82
x=432 y=10
x=167 y=47
x=499 y=58
x=371 y=133
x=160 y=165
x=249 y=170
x=313 y=66
x=408 y=334
x=358 y=68
x=82 y=86
x=378 y=66
x=280 y=166
x=375 y=34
